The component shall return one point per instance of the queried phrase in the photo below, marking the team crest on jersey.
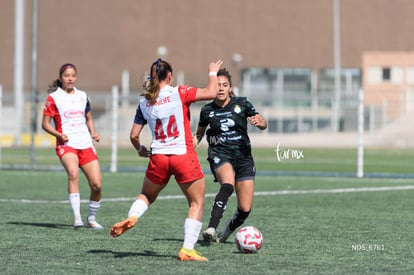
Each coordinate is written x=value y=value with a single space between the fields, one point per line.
x=211 y=114
x=237 y=109
x=216 y=160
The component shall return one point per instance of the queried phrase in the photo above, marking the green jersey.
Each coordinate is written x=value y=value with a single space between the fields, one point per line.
x=227 y=133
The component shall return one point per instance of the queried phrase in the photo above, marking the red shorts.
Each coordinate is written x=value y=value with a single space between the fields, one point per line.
x=84 y=155
x=185 y=168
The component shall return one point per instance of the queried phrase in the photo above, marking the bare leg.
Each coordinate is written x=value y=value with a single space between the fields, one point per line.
x=92 y=172
x=148 y=195
x=71 y=164
x=194 y=192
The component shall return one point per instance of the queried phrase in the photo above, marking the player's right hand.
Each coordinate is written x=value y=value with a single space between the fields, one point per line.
x=62 y=138
x=215 y=67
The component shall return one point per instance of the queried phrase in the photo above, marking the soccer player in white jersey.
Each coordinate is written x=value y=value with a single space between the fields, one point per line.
x=75 y=132
x=166 y=111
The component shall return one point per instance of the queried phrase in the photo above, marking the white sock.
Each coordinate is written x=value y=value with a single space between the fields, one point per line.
x=93 y=209
x=192 y=230
x=138 y=208
x=74 y=201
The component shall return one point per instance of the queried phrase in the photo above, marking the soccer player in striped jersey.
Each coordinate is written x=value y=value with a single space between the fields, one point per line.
x=75 y=133
x=166 y=110
x=229 y=153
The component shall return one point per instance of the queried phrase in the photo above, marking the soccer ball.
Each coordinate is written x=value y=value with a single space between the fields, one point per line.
x=249 y=239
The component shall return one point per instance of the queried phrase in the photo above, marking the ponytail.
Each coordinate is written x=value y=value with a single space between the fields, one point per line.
x=54 y=85
x=158 y=72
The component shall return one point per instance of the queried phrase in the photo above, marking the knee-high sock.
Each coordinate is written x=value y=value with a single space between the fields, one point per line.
x=219 y=204
x=192 y=230
x=138 y=208
x=93 y=209
x=238 y=219
x=74 y=201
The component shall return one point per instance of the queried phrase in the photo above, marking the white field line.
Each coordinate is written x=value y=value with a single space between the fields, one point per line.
x=269 y=193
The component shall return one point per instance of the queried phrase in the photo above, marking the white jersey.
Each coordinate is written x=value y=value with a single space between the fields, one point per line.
x=169 y=119
x=68 y=112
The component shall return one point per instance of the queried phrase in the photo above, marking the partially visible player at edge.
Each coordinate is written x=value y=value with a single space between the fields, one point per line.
x=229 y=154
x=75 y=132
x=166 y=110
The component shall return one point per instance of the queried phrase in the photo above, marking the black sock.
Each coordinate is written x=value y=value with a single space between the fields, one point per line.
x=238 y=219
x=219 y=204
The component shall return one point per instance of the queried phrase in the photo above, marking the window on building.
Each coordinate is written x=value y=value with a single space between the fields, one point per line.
x=386 y=74
x=410 y=75
x=397 y=75
x=350 y=80
x=374 y=75
x=277 y=85
x=377 y=74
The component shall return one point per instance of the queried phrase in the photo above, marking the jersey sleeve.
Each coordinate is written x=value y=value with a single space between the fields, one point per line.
x=139 y=117
x=204 y=120
x=250 y=110
x=187 y=94
x=88 y=106
x=50 y=108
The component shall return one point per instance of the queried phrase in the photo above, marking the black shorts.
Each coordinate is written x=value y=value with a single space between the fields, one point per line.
x=244 y=168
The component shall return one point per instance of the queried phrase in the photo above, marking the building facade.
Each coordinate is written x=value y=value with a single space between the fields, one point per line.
x=389 y=82
x=105 y=37
x=280 y=52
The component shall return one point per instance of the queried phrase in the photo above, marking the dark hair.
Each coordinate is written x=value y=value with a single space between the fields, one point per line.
x=225 y=73
x=57 y=83
x=158 y=72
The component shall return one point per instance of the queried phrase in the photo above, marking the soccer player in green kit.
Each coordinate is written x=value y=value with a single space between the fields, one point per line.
x=229 y=154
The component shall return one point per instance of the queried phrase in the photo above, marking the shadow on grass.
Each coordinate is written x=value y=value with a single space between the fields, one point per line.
x=167 y=239
x=48 y=225
x=213 y=242
x=120 y=254
x=199 y=242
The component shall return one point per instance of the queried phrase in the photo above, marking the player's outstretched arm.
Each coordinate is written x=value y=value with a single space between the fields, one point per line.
x=210 y=91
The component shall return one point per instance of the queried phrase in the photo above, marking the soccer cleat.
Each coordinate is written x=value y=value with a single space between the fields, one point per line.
x=119 y=228
x=78 y=223
x=223 y=236
x=190 y=255
x=92 y=223
x=208 y=234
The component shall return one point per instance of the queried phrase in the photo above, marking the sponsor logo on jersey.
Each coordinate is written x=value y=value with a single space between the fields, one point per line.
x=74 y=114
x=237 y=109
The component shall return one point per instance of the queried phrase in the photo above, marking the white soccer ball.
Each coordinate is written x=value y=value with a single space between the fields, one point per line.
x=249 y=239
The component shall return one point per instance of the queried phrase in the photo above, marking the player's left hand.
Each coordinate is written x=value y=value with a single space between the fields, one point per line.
x=258 y=121
x=144 y=152
x=254 y=120
x=195 y=141
x=96 y=137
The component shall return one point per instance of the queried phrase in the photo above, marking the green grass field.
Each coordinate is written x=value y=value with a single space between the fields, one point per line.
x=318 y=224
x=376 y=160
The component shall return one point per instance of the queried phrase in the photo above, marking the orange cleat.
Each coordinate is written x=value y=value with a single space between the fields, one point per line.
x=119 y=228
x=190 y=255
